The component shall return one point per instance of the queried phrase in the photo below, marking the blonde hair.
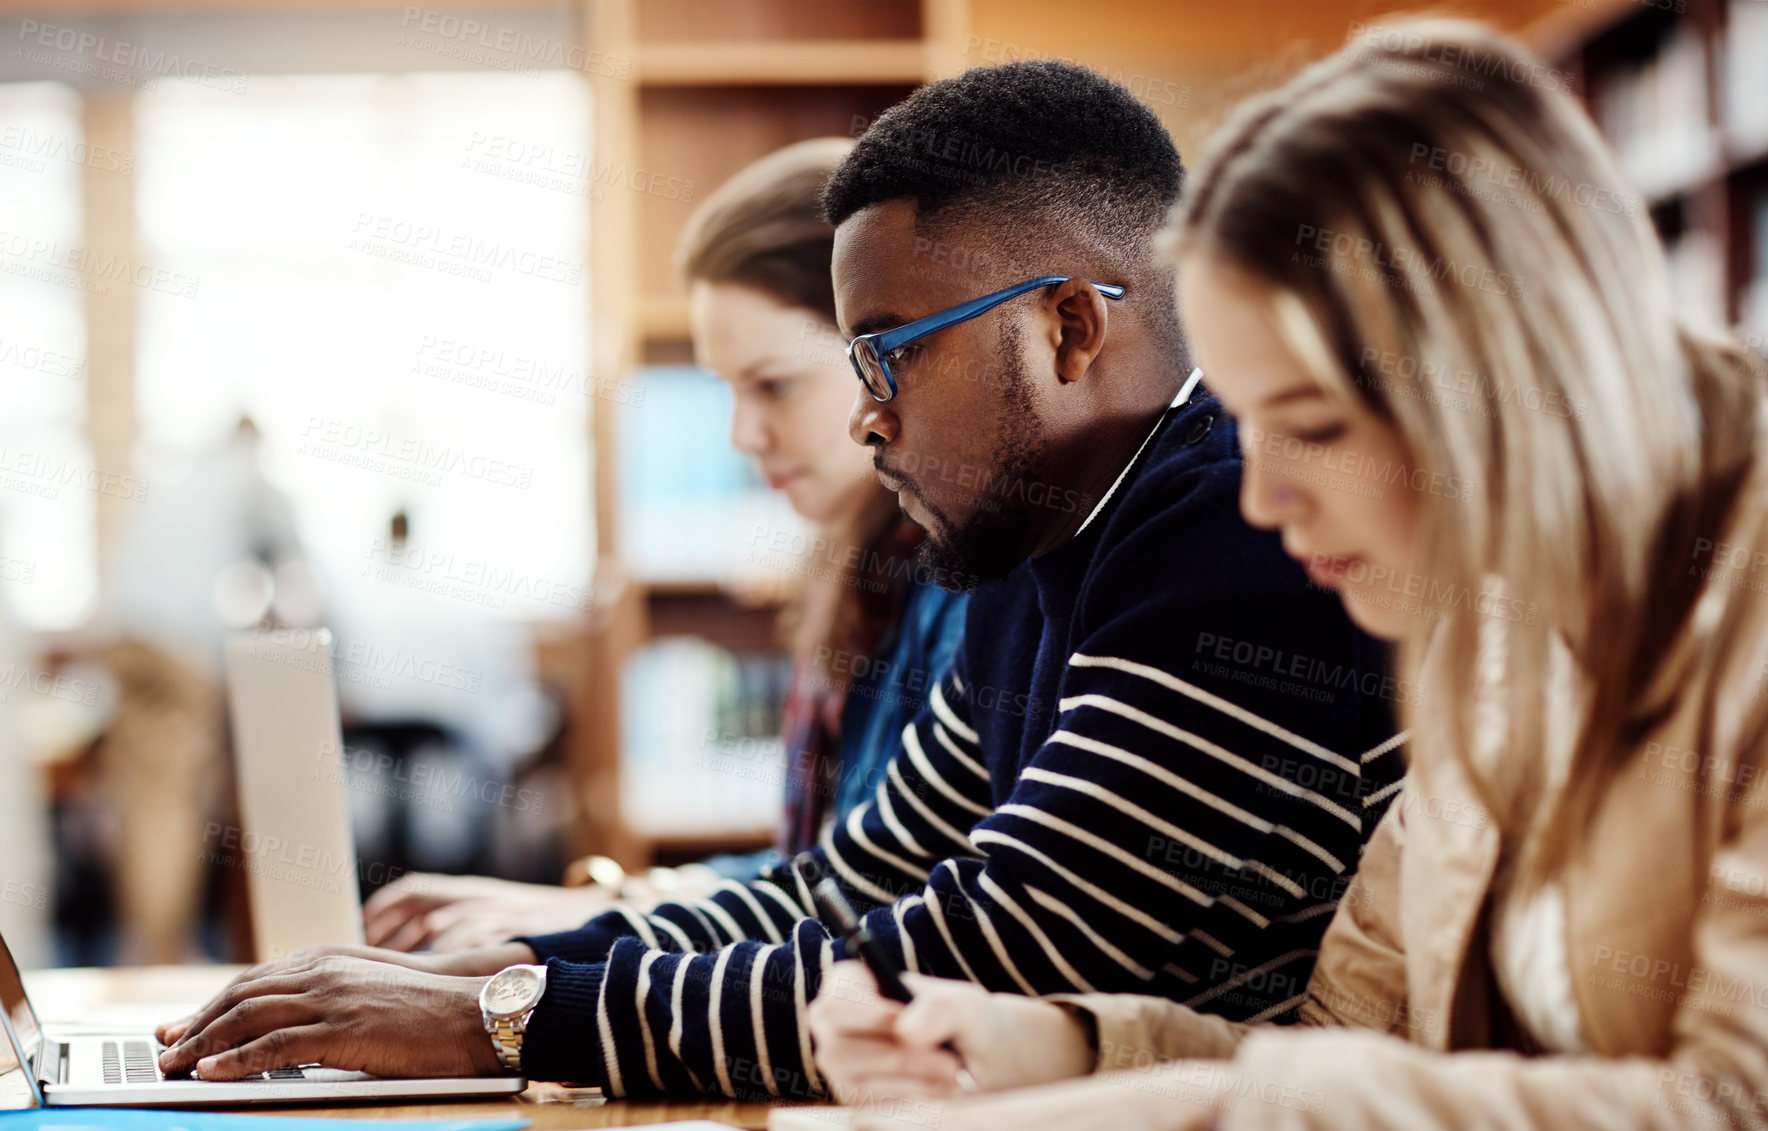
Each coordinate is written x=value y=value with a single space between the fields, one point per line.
x=1432 y=214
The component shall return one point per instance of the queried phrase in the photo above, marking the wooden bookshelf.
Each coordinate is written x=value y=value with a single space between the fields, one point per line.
x=712 y=85
x=1663 y=81
x=809 y=62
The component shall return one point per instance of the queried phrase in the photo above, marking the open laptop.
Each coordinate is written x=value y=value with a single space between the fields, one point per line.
x=122 y=1070
x=300 y=860
x=294 y=837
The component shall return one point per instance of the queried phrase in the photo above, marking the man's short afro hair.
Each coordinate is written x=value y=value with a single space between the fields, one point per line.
x=1045 y=145
x=1008 y=128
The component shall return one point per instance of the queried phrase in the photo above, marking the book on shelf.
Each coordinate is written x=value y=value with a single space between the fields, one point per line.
x=1654 y=112
x=1753 y=301
x=1697 y=277
x=1744 y=82
x=700 y=741
x=691 y=507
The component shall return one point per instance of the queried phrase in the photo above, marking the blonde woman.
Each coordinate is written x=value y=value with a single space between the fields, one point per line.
x=1415 y=276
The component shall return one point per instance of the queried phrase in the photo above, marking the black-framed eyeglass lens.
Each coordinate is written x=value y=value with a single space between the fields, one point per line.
x=870 y=369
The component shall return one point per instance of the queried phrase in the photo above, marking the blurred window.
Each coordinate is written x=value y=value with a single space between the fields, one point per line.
x=48 y=551
x=387 y=273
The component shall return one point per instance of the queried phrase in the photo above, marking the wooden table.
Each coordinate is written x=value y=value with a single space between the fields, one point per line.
x=135 y=999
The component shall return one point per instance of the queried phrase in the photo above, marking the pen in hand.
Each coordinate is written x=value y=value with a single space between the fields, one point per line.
x=857 y=940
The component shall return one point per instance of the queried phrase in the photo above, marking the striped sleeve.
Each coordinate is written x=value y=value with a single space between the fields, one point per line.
x=709 y=995
x=1160 y=841
x=1184 y=828
x=933 y=790
x=1165 y=839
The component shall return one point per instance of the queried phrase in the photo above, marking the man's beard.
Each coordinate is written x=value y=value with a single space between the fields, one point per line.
x=999 y=533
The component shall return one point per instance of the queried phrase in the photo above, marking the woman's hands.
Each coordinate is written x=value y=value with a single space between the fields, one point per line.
x=870 y=1048
x=449 y=913
x=885 y=1058
x=339 y=1010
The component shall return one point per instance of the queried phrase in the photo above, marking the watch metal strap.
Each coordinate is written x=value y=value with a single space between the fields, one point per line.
x=506 y=1037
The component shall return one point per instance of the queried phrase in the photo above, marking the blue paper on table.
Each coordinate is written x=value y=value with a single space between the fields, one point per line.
x=116 y=1119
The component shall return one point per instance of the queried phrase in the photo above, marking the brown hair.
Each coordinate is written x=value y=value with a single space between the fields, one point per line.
x=1433 y=193
x=764 y=229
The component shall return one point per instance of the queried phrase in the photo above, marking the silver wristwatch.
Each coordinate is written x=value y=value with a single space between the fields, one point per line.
x=506 y=1003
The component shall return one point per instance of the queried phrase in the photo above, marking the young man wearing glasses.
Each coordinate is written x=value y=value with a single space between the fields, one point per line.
x=1155 y=759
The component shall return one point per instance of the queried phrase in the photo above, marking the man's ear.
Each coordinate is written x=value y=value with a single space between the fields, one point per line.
x=1081 y=316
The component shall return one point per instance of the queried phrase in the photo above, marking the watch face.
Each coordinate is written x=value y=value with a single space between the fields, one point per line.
x=513 y=991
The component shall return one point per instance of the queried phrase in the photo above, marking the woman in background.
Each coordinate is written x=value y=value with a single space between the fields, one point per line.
x=762 y=313
x=1414 y=276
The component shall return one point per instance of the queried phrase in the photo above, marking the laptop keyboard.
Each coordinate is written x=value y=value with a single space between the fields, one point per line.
x=138 y=1062
x=131 y=1062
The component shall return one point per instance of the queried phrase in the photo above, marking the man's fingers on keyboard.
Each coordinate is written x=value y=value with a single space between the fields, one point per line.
x=228 y=1002
x=251 y=1020
x=166 y=1032
x=282 y=1048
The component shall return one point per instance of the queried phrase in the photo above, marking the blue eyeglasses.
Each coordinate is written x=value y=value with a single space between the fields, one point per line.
x=871 y=353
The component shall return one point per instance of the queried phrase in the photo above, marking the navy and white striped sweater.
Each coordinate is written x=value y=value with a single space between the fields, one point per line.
x=1151 y=768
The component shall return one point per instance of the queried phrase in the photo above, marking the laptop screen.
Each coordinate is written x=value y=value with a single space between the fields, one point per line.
x=20 y=1019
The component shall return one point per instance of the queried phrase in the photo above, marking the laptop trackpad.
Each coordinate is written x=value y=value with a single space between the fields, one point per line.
x=314 y=1072
x=334 y=1075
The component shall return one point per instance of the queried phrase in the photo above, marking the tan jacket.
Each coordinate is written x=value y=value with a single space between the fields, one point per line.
x=1667 y=938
